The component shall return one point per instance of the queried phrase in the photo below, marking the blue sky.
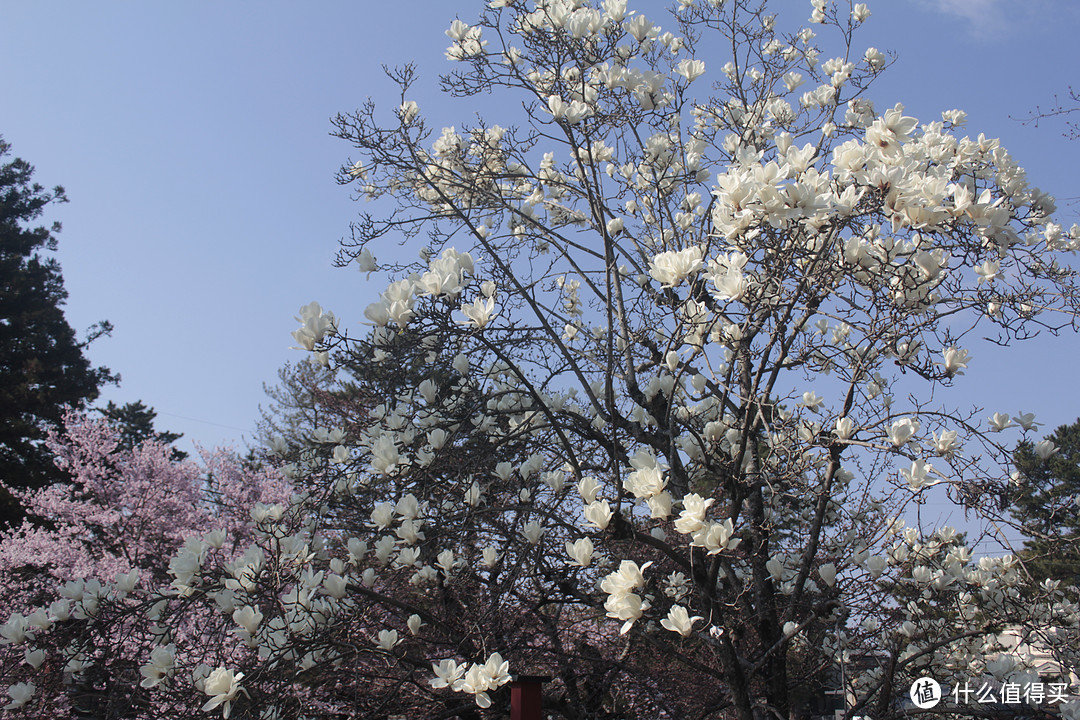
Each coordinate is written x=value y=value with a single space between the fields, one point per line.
x=192 y=139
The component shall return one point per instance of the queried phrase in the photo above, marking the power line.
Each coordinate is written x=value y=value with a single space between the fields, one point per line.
x=204 y=422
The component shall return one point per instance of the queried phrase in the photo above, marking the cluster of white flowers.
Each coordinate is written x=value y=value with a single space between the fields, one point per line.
x=623 y=603
x=315 y=325
x=474 y=678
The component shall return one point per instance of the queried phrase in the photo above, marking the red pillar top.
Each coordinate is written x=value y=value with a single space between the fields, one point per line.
x=525 y=696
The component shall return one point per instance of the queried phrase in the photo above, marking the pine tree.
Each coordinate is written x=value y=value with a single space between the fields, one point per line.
x=135 y=423
x=42 y=364
x=1048 y=504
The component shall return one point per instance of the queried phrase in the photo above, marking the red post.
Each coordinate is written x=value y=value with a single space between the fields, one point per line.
x=525 y=696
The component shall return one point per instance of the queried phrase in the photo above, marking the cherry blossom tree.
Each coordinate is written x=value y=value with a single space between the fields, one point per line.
x=687 y=327
x=127 y=511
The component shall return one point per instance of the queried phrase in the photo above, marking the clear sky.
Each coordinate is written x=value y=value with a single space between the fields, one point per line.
x=192 y=139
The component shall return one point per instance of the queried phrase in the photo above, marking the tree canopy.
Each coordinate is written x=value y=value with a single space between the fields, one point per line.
x=655 y=386
x=135 y=423
x=43 y=368
x=1047 y=504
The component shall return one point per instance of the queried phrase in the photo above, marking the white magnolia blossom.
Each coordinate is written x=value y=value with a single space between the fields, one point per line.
x=598 y=514
x=474 y=679
x=479 y=312
x=918 y=476
x=811 y=401
x=691 y=69
x=947 y=443
x=388 y=639
x=671 y=268
x=679 y=621
x=160 y=667
x=20 y=694
x=902 y=431
x=580 y=551
x=1045 y=449
x=692 y=517
x=222 y=685
x=845 y=428
x=315 y=325
x=956 y=360
x=623 y=603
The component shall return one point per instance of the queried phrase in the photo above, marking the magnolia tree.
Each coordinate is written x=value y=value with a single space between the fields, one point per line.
x=650 y=412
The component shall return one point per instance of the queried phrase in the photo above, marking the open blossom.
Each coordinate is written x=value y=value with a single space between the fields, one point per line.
x=728 y=277
x=918 y=475
x=623 y=603
x=640 y=27
x=598 y=513
x=34 y=658
x=20 y=694
x=716 y=537
x=811 y=401
x=672 y=267
x=387 y=640
x=659 y=505
x=902 y=431
x=447 y=673
x=647 y=479
x=315 y=325
x=580 y=551
x=628 y=577
x=946 y=444
x=988 y=271
x=467 y=42
x=160 y=666
x=691 y=69
x=16 y=630
x=478 y=313
x=384 y=455
x=222 y=685
x=889 y=132
x=678 y=620
x=956 y=360
x=572 y=112
x=445 y=561
x=248 y=617
x=476 y=680
x=1045 y=449
x=692 y=517
x=366 y=263
x=532 y=532
x=1026 y=421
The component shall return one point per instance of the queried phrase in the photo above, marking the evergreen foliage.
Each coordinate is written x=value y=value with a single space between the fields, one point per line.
x=43 y=368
